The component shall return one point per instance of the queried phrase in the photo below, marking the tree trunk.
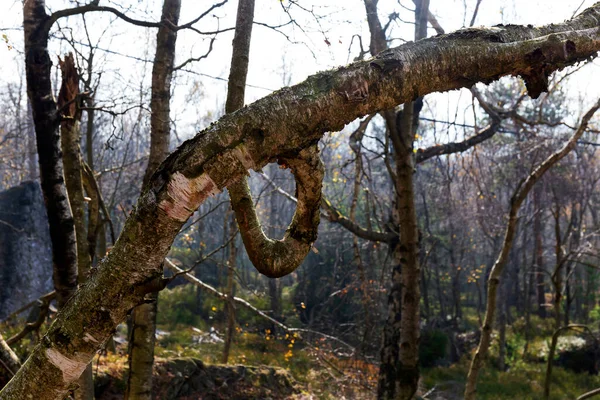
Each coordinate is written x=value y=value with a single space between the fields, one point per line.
x=399 y=370
x=502 y=330
x=274 y=284
x=539 y=252
x=141 y=346
x=8 y=359
x=46 y=120
x=230 y=291
x=236 y=90
x=71 y=153
x=32 y=164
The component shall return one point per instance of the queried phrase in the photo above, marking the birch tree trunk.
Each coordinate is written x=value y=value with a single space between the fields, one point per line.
x=141 y=341
x=236 y=90
x=47 y=120
x=70 y=137
x=8 y=359
x=399 y=371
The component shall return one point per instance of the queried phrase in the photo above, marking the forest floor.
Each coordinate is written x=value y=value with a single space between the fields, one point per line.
x=278 y=365
x=307 y=372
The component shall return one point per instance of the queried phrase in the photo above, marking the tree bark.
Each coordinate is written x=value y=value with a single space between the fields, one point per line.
x=281 y=123
x=230 y=291
x=47 y=119
x=141 y=341
x=8 y=359
x=399 y=371
x=236 y=90
x=70 y=137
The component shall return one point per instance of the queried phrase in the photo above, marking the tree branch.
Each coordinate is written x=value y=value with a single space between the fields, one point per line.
x=209 y=289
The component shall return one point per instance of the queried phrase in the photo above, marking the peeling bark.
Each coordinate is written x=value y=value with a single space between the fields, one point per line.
x=281 y=123
x=70 y=137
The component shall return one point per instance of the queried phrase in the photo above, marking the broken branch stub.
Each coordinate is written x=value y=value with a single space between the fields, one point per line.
x=277 y=258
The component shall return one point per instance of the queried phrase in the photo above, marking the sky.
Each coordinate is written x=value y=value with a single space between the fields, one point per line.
x=277 y=58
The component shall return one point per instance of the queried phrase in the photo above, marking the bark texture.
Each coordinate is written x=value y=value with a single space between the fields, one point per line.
x=46 y=120
x=8 y=359
x=281 y=123
x=236 y=89
x=141 y=341
x=70 y=136
x=399 y=370
x=410 y=268
x=494 y=279
x=277 y=258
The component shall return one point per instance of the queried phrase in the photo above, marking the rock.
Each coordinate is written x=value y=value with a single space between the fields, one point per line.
x=434 y=348
x=25 y=247
x=189 y=378
x=582 y=355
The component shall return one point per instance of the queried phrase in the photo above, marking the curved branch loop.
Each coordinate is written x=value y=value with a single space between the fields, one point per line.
x=277 y=258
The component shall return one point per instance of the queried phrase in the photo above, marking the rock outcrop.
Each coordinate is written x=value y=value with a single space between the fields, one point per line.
x=25 y=248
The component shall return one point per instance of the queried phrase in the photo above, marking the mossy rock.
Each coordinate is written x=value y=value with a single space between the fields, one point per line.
x=189 y=378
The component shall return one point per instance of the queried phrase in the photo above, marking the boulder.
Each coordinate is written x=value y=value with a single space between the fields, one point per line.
x=25 y=247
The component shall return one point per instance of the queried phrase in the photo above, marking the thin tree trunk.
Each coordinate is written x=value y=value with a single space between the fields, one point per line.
x=399 y=370
x=141 y=346
x=552 y=351
x=274 y=284
x=494 y=278
x=356 y=146
x=502 y=329
x=557 y=275
x=236 y=90
x=8 y=359
x=70 y=138
x=407 y=378
x=47 y=120
x=539 y=252
x=230 y=291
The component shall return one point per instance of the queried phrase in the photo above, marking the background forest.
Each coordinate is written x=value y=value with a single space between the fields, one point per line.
x=478 y=207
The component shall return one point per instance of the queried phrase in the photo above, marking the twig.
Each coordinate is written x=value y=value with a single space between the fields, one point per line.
x=197 y=282
x=35 y=326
